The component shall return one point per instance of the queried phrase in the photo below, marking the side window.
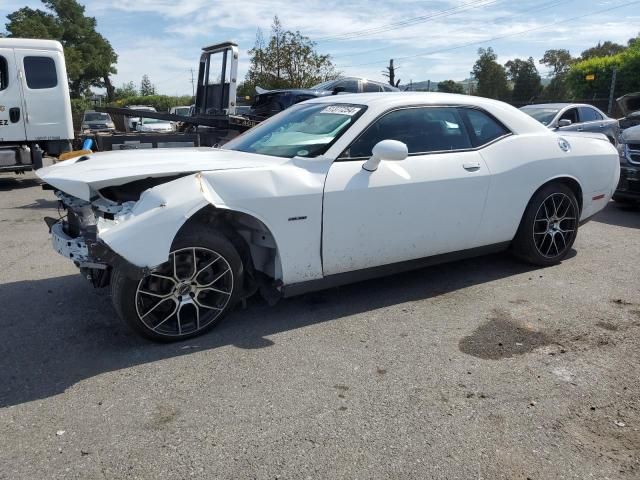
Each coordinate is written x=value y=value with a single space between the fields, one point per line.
x=484 y=129
x=571 y=114
x=389 y=88
x=349 y=86
x=40 y=72
x=370 y=87
x=4 y=73
x=423 y=130
x=589 y=115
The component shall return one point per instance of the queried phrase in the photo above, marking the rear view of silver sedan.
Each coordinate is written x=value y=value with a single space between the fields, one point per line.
x=577 y=117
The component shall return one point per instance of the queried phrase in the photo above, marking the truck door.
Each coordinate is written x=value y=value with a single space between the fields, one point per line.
x=46 y=95
x=11 y=114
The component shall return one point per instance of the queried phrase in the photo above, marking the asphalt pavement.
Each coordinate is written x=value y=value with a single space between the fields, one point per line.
x=479 y=369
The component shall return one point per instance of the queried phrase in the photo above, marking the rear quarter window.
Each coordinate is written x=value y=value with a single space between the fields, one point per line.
x=484 y=128
x=40 y=72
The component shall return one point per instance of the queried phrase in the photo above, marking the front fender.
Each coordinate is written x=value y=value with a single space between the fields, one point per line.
x=144 y=238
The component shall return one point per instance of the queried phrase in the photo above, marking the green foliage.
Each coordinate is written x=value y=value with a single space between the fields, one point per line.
x=449 y=86
x=161 y=103
x=526 y=79
x=146 y=87
x=78 y=107
x=560 y=61
x=287 y=60
x=89 y=56
x=627 y=64
x=126 y=90
x=490 y=75
x=602 y=50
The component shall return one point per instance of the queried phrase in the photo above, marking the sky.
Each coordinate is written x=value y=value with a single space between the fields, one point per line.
x=435 y=40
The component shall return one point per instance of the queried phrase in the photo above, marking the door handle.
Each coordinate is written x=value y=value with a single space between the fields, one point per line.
x=471 y=166
x=14 y=114
x=580 y=129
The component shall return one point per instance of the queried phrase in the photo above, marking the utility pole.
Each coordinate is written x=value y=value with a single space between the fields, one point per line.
x=193 y=84
x=612 y=90
x=390 y=73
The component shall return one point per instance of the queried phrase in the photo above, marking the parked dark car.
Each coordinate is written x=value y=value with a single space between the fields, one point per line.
x=97 y=122
x=269 y=102
x=628 y=190
x=630 y=107
x=574 y=117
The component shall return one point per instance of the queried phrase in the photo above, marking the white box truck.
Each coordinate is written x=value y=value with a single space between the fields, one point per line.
x=35 y=109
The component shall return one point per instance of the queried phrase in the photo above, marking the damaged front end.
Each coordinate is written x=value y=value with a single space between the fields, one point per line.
x=76 y=236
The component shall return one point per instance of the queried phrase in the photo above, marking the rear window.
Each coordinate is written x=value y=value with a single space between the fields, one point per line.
x=589 y=115
x=4 y=73
x=40 y=72
x=484 y=129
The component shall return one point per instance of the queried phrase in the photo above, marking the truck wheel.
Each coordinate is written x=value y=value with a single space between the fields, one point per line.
x=185 y=296
x=549 y=226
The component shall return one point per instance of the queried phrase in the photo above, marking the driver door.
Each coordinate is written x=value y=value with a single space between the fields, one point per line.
x=430 y=203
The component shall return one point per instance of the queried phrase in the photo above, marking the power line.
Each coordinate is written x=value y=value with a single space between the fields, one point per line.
x=537 y=8
x=407 y=22
x=499 y=37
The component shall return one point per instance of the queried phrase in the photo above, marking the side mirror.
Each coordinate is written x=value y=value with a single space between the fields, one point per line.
x=564 y=122
x=390 y=150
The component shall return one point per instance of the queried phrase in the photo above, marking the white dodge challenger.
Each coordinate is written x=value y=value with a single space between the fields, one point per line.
x=330 y=191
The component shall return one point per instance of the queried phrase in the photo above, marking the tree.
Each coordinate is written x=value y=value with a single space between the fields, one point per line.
x=89 y=56
x=559 y=61
x=287 y=60
x=626 y=63
x=527 y=83
x=390 y=74
x=126 y=90
x=449 y=86
x=146 y=87
x=490 y=75
x=605 y=49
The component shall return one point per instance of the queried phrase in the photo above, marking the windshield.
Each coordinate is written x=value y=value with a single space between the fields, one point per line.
x=543 y=115
x=184 y=111
x=96 y=117
x=302 y=130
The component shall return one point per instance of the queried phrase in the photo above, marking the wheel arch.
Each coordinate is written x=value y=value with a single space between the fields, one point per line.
x=567 y=180
x=253 y=239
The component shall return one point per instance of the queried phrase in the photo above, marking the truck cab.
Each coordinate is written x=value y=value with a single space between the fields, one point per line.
x=35 y=110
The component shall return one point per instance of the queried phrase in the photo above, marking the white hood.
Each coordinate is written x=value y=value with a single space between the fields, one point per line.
x=78 y=176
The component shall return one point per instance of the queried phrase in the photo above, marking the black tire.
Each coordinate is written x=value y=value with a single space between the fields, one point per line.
x=129 y=295
x=543 y=242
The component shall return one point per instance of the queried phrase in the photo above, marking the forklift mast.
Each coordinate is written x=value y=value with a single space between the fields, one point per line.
x=217 y=80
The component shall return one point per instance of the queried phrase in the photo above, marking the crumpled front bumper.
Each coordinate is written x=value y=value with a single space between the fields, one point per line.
x=91 y=256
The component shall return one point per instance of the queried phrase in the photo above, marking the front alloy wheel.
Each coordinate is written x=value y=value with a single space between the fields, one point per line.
x=186 y=293
x=184 y=296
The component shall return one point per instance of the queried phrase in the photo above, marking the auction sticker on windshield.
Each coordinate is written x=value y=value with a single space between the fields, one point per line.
x=341 y=109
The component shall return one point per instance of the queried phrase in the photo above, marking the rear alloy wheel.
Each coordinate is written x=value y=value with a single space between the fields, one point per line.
x=184 y=296
x=549 y=226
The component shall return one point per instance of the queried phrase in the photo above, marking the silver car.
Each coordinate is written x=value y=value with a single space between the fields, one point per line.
x=574 y=117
